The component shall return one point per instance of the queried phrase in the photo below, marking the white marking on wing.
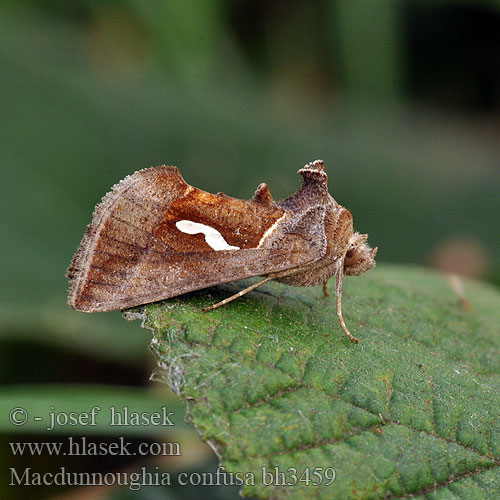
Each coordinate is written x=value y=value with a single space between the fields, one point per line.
x=269 y=232
x=214 y=239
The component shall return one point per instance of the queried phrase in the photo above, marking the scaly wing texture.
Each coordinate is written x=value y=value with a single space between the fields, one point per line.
x=133 y=253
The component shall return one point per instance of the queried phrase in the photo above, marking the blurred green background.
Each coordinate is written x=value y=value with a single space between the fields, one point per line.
x=401 y=99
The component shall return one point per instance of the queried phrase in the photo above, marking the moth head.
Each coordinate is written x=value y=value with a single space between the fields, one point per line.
x=359 y=257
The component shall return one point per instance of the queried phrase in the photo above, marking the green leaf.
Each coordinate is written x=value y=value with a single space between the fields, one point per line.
x=271 y=381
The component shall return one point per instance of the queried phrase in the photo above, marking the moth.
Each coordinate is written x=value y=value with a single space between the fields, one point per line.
x=154 y=237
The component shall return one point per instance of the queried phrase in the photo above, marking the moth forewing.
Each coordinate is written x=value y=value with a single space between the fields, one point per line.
x=154 y=237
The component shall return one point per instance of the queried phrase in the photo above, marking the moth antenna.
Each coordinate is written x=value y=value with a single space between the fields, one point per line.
x=237 y=295
x=374 y=252
x=263 y=195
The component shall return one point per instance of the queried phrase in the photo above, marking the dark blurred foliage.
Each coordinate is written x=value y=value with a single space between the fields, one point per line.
x=401 y=99
x=469 y=80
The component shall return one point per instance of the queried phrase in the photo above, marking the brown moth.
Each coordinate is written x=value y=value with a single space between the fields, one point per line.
x=154 y=237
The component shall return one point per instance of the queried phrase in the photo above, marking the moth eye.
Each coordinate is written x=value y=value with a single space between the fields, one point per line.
x=351 y=257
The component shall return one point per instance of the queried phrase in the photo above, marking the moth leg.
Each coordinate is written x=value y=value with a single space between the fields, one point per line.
x=339 y=276
x=237 y=295
x=325 y=289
